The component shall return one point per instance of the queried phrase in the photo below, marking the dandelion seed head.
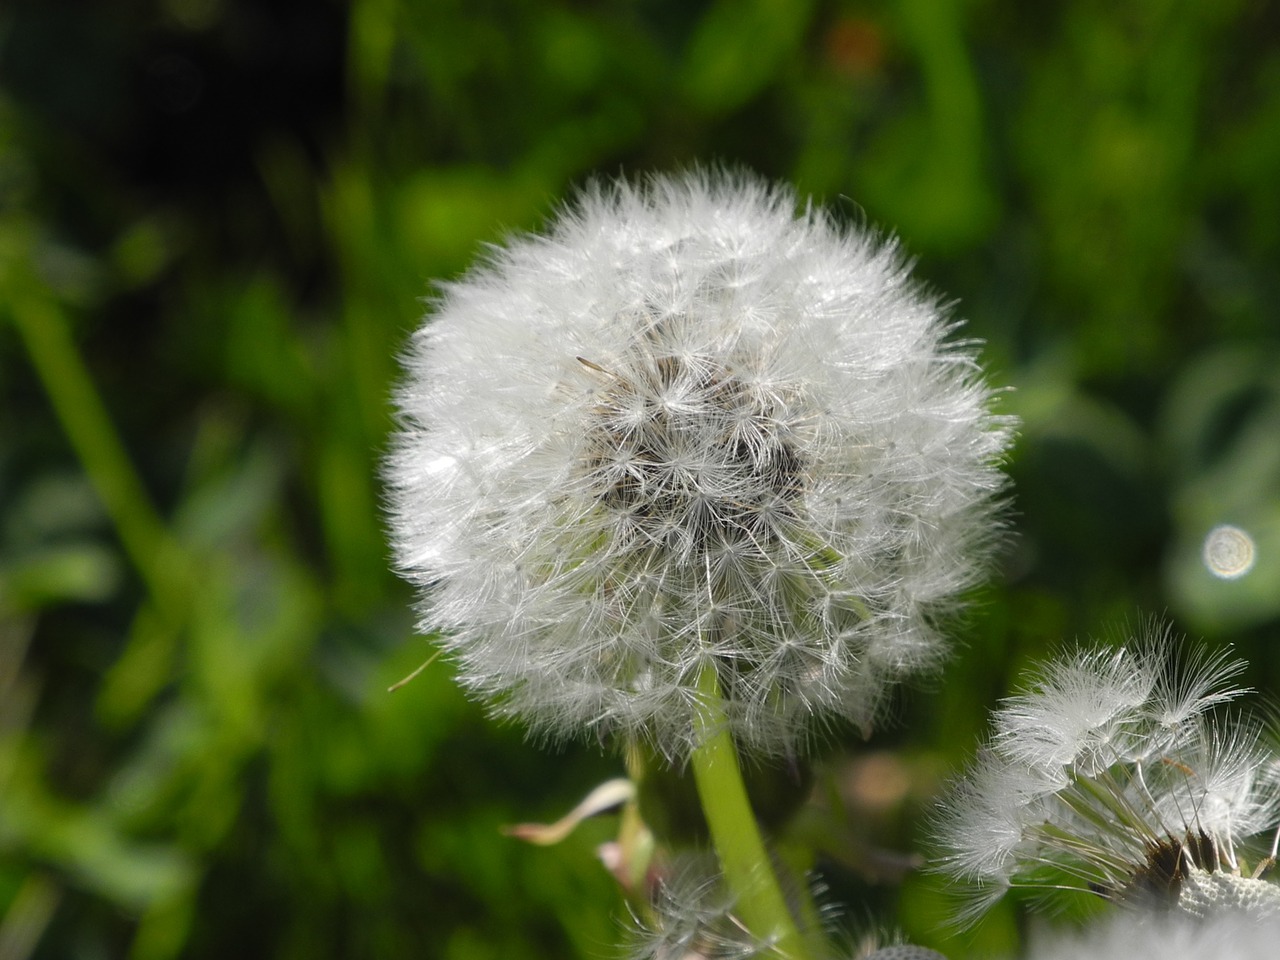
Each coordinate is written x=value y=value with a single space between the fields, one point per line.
x=694 y=916
x=687 y=428
x=1113 y=775
x=695 y=921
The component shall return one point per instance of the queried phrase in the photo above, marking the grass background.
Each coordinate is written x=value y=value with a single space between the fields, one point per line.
x=217 y=221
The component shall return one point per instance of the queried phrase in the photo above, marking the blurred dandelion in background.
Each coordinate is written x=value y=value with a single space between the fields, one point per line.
x=1161 y=936
x=1228 y=552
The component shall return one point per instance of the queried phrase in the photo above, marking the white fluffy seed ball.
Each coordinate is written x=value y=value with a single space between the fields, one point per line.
x=685 y=429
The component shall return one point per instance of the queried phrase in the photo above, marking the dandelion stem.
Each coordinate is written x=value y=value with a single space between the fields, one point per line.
x=634 y=837
x=734 y=831
x=43 y=330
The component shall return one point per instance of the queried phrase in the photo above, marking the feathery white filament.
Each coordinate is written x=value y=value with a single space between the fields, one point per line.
x=1110 y=775
x=686 y=427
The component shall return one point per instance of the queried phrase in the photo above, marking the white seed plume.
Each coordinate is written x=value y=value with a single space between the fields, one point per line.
x=687 y=429
x=1113 y=775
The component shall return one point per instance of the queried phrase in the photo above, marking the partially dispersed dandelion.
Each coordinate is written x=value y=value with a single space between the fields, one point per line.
x=1112 y=775
x=687 y=430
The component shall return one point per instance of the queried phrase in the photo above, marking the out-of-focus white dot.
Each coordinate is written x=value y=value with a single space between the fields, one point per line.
x=1228 y=552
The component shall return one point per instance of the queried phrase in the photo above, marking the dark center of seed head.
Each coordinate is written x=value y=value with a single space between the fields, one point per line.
x=684 y=446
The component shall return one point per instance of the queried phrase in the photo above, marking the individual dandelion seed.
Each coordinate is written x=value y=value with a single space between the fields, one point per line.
x=687 y=429
x=1113 y=775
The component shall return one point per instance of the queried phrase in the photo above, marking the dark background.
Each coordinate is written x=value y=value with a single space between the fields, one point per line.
x=217 y=219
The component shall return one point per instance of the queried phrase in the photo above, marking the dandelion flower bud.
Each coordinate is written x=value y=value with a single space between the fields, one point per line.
x=1112 y=775
x=687 y=429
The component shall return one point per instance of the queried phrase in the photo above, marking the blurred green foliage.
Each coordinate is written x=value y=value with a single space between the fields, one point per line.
x=217 y=222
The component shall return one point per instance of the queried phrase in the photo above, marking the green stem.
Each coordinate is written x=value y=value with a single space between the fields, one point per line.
x=43 y=329
x=634 y=838
x=734 y=831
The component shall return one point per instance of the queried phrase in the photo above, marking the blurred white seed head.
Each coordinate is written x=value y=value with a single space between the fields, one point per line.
x=693 y=916
x=687 y=428
x=1144 y=935
x=695 y=920
x=1112 y=774
x=887 y=944
x=904 y=951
